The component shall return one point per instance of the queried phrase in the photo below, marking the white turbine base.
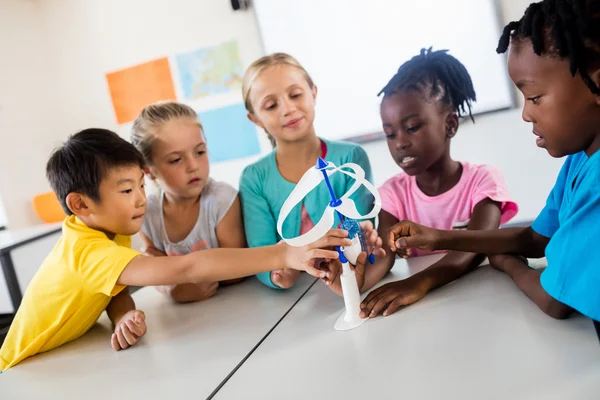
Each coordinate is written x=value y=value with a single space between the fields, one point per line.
x=342 y=325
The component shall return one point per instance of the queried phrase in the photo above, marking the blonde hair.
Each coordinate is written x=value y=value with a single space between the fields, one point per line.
x=260 y=65
x=146 y=125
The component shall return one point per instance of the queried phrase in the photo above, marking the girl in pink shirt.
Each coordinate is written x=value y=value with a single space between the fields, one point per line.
x=420 y=111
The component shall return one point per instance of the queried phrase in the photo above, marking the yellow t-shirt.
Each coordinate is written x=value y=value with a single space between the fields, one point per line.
x=68 y=293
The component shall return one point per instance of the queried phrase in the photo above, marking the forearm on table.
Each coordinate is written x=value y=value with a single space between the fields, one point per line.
x=521 y=240
x=120 y=305
x=382 y=266
x=451 y=267
x=188 y=292
x=528 y=280
x=376 y=272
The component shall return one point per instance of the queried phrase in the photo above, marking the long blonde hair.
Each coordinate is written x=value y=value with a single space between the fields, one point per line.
x=260 y=65
x=151 y=118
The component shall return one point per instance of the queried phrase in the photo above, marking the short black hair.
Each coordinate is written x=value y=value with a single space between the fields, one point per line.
x=439 y=74
x=563 y=28
x=81 y=163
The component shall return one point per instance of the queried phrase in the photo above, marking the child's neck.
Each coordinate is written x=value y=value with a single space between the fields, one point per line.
x=90 y=223
x=440 y=177
x=594 y=146
x=300 y=150
x=294 y=158
x=175 y=202
x=180 y=215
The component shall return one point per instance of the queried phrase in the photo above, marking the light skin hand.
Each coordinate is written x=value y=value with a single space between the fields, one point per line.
x=128 y=330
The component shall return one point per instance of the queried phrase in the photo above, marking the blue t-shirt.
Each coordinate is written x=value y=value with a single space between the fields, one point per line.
x=571 y=219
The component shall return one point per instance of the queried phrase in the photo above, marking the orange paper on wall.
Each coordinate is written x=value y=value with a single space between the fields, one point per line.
x=131 y=89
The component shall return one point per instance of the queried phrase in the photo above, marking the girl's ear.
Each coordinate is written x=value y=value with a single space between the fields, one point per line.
x=78 y=204
x=595 y=76
x=451 y=125
x=148 y=173
x=255 y=120
x=314 y=92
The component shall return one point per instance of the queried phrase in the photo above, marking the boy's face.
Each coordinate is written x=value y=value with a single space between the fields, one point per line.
x=122 y=202
x=564 y=112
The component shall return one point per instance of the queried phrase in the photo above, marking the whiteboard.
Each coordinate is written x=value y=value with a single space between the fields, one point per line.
x=351 y=48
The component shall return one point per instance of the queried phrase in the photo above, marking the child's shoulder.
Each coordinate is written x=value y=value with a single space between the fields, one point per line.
x=346 y=151
x=398 y=181
x=220 y=189
x=585 y=169
x=592 y=163
x=153 y=217
x=79 y=239
x=259 y=168
x=480 y=170
x=76 y=231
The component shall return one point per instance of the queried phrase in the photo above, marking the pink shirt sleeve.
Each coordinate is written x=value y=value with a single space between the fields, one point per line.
x=391 y=202
x=490 y=184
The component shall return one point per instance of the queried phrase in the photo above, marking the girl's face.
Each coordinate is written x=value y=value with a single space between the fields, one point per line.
x=283 y=103
x=180 y=159
x=418 y=131
x=564 y=112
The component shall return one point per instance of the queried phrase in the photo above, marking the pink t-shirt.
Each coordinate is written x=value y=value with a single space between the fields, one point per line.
x=402 y=198
x=306 y=224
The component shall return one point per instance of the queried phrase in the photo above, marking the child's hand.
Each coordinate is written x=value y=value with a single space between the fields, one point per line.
x=153 y=252
x=406 y=235
x=359 y=270
x=206 y=289
x=389 y=297
x=372 y=239
x=303 y=258
x=285 y=278
x=130 y=328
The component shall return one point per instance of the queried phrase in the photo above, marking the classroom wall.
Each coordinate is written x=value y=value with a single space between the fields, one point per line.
x=27 y=109
x=55 y=54
x=2 y=214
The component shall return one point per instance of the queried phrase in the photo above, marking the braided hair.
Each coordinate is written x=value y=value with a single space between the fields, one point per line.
x=440 y=76
x=562 y=28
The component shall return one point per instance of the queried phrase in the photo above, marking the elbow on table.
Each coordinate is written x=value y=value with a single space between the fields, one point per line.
x=556 y=309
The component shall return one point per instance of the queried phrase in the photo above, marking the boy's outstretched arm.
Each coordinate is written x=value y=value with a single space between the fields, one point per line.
x=528 y=280
x=129 y=324
x=386 y=299
x=222 y=264
x=521 y=240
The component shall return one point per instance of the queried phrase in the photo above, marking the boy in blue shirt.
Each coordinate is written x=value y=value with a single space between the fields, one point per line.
x=554 y=60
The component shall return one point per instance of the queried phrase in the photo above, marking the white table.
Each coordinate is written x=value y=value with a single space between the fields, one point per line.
x=477 y=338
x=12 y=239
x=187 y=352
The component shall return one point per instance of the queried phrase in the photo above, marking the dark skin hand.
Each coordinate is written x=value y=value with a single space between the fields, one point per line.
x=385 y=261
x=499 y=244
x=388 y=298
